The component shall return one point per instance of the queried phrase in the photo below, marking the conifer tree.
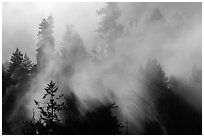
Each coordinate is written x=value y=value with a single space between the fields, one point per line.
x=16 y=65
x=46 y=42
x=49 y=121
x=27 y=66
x=109 y=26
x=49 y=112
x=102 y=121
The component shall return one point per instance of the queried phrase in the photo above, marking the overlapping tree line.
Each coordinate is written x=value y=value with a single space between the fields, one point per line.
x=17 y=75
x=168 y=112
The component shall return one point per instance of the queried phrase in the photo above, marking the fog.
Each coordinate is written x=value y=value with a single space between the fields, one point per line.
x=103 y=61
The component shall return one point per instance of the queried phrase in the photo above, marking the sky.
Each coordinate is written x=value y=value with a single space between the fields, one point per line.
x=136 y=32
x=169 y=32
x=179 y=41
x=20 y=23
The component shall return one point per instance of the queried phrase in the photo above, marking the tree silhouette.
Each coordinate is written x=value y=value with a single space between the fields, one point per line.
x=20 y=67
x=74 y=122
x=49 y=121
x=16 y=65
x=157 y=97
x=184 y=118
x=167 y=112
x=5 y=78
x=101 y=121
x=33 y=127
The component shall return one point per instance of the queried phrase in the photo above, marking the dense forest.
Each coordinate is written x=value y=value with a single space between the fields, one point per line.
x=39 y=99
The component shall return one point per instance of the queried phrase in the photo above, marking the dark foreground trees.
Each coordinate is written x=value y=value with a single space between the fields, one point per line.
x=49 y=122
x=16 y=76
x=101 y=121
x=168 y=112
x=19 y=68
x=57 y=117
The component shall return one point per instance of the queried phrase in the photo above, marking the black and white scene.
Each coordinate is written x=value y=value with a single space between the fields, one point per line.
x=94 y=68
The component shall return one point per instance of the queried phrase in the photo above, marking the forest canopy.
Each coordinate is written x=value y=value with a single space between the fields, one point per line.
x=129 y=80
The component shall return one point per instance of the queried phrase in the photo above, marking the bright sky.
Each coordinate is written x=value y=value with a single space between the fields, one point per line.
x=178 y=49
x=20 y=24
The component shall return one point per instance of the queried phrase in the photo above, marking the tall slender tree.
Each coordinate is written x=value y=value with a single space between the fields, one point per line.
x=46 y=41
x=109 y=26
x=49 y=112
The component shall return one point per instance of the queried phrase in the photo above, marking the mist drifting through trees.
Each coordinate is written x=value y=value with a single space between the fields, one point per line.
x=102 y=68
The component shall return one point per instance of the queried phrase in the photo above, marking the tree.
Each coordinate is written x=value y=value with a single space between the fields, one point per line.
x=46 y=41
x=33 y=127
x=101 y=121
x=49 y=121
x=20 y=67
x=27 y=65
x=15 y=80
x=74 y=122
x=6 y=80
x=155 y=74
x=108 y=26
x=157 y=97
x=16 y=65
x=73 y=51
x=168 y=112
